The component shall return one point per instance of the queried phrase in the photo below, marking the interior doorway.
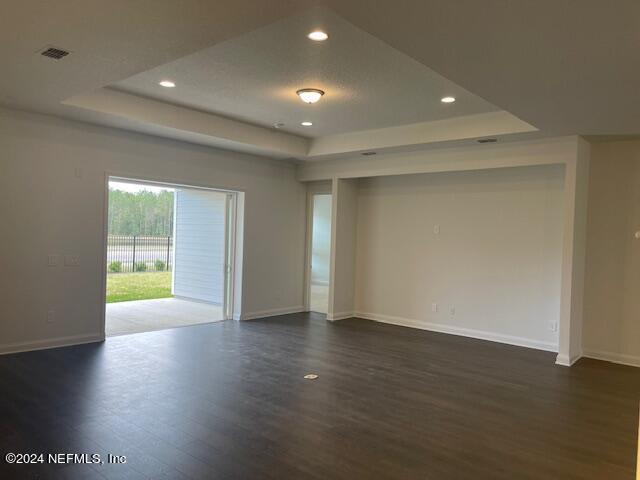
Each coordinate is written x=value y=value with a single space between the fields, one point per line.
x=169 y=256
x=320 y=252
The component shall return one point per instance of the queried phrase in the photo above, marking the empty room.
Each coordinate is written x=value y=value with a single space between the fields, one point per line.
x=320 y=239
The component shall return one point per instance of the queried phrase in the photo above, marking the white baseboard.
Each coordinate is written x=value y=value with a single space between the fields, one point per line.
x=49 y=343
x=339 y=316
x=566 y=361
x=624 y=359
x=272 y=313
x=463 y=332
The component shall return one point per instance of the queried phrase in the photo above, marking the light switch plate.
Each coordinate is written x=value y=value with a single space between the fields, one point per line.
x=53 y=260
x=72 y=260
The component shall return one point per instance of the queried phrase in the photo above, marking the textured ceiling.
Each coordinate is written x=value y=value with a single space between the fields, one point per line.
x=254 y=77
x=563 y=66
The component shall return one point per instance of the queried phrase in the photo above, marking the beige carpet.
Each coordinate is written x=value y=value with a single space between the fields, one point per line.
x=148 y=315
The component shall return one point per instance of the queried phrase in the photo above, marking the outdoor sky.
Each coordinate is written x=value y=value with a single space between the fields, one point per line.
x=136 y=187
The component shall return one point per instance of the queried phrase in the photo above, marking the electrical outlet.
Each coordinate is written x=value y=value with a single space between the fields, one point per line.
x=436 y=229
x=434 y=307
x=72 y=260
x=553 y=326
x=51 y=315
x=452 y=311
x=53 y=260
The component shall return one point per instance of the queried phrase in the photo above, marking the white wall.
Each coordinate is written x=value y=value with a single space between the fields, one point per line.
x=52 y=201
x=344 y=214
x=496 y=259
x=321 y=241
x=612 y=280
x=199 y=256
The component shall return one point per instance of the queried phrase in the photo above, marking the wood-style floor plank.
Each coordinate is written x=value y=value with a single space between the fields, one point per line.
x=228 y=401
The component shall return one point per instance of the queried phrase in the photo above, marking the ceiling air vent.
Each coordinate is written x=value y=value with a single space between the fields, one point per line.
x=54 y=52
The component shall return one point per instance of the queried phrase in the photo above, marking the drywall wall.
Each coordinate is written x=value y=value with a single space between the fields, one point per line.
x=199 y=248
x=611 y=329
x=344 y=214
x=52 y=201
x=576 y=182
x=321 y=241
x=474 y=253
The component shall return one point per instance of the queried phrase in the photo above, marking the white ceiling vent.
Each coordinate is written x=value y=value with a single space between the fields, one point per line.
x=54 y=52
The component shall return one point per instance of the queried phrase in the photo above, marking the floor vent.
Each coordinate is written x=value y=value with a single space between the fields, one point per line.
x=53 y=52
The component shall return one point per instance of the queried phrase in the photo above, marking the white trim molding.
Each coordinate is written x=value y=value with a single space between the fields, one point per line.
x=49 y=343
x=271 y=313
x=621 y=358
x=460 y=331
x=566 y=361
x=333 y=317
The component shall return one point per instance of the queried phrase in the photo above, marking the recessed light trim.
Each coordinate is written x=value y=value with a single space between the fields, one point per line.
x=448 y=99
x=310 y=95
x=306 y=124
x=318 y=36
x=167 y=84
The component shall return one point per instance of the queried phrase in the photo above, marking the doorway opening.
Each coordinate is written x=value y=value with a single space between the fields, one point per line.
x=170 y=255
x=320 y=252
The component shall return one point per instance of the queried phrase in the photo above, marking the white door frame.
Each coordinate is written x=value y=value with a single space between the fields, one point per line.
x=316 y=188
x=231 y=218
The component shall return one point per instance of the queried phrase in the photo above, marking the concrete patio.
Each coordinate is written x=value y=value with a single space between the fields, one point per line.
x=148 y=315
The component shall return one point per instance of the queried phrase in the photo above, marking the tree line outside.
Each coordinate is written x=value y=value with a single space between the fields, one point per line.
x=141 y=213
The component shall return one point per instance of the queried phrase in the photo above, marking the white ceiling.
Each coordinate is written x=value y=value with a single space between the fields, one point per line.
x=564 y=66
x=254 y=77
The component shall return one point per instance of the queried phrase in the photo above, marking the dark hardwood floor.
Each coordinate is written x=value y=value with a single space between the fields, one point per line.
x=228 y=401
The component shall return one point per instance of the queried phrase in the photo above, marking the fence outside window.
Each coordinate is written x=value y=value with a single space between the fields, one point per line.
x=138 y=253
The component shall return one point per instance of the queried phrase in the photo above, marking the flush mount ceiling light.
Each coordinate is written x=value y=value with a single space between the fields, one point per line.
x=306 y=124
x=167 y=84
x=310 y=95
x=448 y=99
x=318 y=36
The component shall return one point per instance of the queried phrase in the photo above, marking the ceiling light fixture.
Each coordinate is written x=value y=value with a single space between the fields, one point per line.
x=306 y=124
x=448 y=99
x=318 y=36
x=310 y=95
x=167 y=84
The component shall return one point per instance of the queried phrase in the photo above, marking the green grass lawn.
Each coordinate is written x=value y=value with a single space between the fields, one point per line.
x=123 y=287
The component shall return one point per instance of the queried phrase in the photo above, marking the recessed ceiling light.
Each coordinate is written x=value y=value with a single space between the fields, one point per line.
x=448 y=99
x=318 y=36
x=310 y=95
x=278 y=125
x=306 y=124
x=167 y=84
